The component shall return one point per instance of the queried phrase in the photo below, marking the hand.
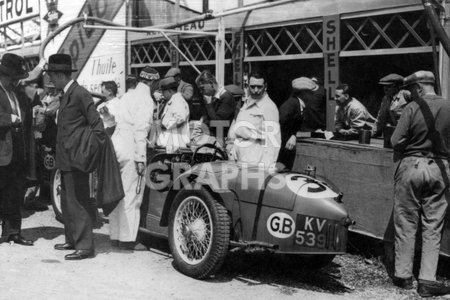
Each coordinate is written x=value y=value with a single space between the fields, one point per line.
x=344 y=131
x=291 y=143
x=52 y=105
x=158 y=96
x=140 y=167
x=207 y=99
x=15 y=121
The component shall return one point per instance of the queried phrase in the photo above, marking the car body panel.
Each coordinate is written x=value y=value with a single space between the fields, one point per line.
x=288 y=212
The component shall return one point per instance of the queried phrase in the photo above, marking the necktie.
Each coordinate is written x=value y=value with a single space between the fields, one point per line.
x=14 y=107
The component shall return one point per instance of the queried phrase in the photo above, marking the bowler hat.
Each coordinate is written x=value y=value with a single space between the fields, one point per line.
x=149 y=73
x=304 y=83
x=173 y=72
x=13 y=66
x=419 y=76
x=59 y=63
x=168 y=83
x=391 y=79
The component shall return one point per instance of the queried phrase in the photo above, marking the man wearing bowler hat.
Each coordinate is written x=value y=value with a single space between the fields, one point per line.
x=15 y=130
x=394 y=100
x=76 y=111
x=421 y=185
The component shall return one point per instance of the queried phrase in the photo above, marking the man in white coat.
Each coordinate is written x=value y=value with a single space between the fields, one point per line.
x=174 y=120
x=132 y=116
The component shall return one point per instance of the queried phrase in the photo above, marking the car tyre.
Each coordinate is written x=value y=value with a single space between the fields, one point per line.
x=55 y=194
x=199 y=233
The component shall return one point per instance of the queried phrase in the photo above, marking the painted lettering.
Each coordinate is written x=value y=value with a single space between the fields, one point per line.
x=331 y=43
x=320 y=224
x=331 y=59
x=308 y=225
x=331 y=26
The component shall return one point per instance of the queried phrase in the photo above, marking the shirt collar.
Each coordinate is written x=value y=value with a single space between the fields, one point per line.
x=68 y=85
x=219 y=93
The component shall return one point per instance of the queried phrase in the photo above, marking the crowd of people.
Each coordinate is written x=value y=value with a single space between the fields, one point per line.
x=155 y=112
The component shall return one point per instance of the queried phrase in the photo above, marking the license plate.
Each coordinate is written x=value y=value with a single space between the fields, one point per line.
x=316 y=232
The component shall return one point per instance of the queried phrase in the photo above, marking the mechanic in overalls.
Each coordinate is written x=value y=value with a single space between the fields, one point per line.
x=421 y=183
x=132 y=117
x=256 y=130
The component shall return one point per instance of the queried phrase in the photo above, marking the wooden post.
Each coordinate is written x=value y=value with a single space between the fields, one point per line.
x=238 y=56
x=174 y=55
x=331 y=48
x=444 y=58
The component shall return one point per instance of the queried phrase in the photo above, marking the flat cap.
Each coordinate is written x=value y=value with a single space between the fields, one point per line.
x=304 y=83
x=168 y=83
x=172 y=72
x=149 y=73
x=391 y=79
x=419 y=76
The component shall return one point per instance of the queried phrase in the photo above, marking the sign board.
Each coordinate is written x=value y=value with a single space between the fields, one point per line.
x=331 y=48
x=99 y=55
x=12 y=11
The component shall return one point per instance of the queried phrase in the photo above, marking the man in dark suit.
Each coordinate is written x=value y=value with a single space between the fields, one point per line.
x=77 y=112
x=291 y=118
x=15 y=128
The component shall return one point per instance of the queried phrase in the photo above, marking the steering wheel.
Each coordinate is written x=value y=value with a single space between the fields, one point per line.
x=217 y=154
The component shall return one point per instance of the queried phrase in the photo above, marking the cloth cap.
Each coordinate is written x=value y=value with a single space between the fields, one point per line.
x=419 y=76
x=149 y=73
x=168 y=83
x=235 y=90
x=172 y=72
x=13 y=66
x=304 y=83
x=59 y=63
x=391 y=79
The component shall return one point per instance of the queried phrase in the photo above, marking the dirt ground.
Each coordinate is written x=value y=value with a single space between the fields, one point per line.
x=40 y=272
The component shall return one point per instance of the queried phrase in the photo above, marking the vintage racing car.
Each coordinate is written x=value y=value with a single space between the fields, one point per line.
x=204 y=204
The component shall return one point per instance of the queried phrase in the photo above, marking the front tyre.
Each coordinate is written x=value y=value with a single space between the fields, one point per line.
x=55 y=194
x=199 y=233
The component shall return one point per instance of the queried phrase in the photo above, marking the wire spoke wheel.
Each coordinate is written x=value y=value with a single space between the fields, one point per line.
x=55 y=194
x=199 y=232
x=193 y=230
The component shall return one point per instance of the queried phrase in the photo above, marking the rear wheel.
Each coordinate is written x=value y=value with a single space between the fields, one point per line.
x=199 y=233
x=55 y=194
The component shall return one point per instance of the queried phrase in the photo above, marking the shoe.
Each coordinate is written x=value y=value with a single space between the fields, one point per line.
x=432 y=288
x=404 y=283
x=65 y=246
x=134 y=246
x=18 y=239
x=80 y=254
x=36 y=205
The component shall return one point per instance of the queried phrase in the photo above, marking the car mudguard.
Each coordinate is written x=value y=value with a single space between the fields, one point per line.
x=191 y=179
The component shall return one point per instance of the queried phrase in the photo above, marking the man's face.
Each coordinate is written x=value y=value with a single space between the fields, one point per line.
x=256 y=87
x=390 y=90
x=340 y=97
x=56 y=80
x=207 y=89
x=415 y=91
x=167 y=94
x=106 y=92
